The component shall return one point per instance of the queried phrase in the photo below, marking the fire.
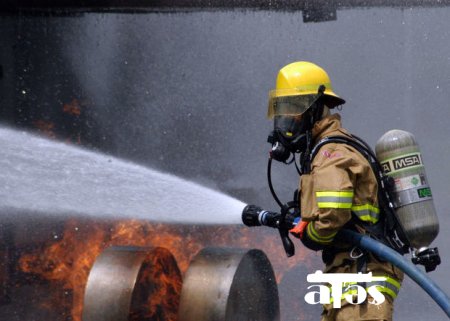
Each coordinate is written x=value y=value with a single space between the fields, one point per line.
x=66 y=127
x=72 y=108
x=45 y=127
x=68 y=260
x=157 y=295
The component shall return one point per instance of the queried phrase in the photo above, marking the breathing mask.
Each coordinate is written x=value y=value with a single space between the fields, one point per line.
x=293 y=117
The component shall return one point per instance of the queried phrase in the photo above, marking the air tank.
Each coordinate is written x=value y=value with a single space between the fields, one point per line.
x=400 y=157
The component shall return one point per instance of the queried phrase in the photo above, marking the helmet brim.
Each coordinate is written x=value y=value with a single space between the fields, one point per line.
x=332 y=100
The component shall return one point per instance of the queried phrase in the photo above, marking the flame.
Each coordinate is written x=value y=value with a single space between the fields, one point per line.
x=69 y=259
x=72 y=108
x=45 y=127
x=64 y=260
x=57 y=129
x=158 y=291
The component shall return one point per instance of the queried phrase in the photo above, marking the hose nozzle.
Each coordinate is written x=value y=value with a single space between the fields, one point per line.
x=253 y=215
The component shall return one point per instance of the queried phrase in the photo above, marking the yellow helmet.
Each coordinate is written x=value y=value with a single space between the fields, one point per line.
x=297 y=86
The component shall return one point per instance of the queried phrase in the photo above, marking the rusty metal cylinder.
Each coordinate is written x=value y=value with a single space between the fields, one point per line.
x=229 y=285
x=132 y=283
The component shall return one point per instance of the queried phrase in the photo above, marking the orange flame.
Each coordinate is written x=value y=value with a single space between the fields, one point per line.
x=72 y=108
x=69 y=259
x=158 y=291
x=45 y=127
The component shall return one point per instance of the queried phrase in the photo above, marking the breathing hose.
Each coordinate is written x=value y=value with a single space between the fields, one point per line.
x=388 y=254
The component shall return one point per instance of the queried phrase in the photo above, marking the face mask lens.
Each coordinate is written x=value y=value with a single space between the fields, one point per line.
x=289 y=126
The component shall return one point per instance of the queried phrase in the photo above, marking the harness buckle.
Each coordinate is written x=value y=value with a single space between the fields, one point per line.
x=356 y=253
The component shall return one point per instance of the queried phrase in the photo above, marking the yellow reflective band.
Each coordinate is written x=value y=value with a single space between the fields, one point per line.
x=393 y=282
x=386 y=290
x=367 y=213
x=313 y=235
x=368 y=218
x=335 y=194
x=334 y=205
x=335 y=199
x=390 y=286
x=353 y=292
x=366 y=207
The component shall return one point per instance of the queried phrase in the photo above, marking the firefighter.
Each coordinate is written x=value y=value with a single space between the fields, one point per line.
x=337 y=187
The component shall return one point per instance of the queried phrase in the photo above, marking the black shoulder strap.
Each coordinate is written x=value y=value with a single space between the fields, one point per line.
x=355 y=142
x=388 y=229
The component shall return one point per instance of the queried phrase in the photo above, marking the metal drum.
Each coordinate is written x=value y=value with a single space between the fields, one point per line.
x=133 y=283
x=229 y=285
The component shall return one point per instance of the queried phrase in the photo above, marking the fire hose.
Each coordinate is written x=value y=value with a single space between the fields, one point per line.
x=255 y=216
x=388 y=254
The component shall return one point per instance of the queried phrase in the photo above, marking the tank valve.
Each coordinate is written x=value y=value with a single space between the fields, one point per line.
x=428 y=257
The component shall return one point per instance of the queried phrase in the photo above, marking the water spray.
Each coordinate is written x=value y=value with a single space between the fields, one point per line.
x=54 y=178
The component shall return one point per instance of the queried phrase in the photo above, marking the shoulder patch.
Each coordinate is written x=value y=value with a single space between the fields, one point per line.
x=331 y=155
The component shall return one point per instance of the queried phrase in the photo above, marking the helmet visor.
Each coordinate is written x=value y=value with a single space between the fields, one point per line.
x=289 y=105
